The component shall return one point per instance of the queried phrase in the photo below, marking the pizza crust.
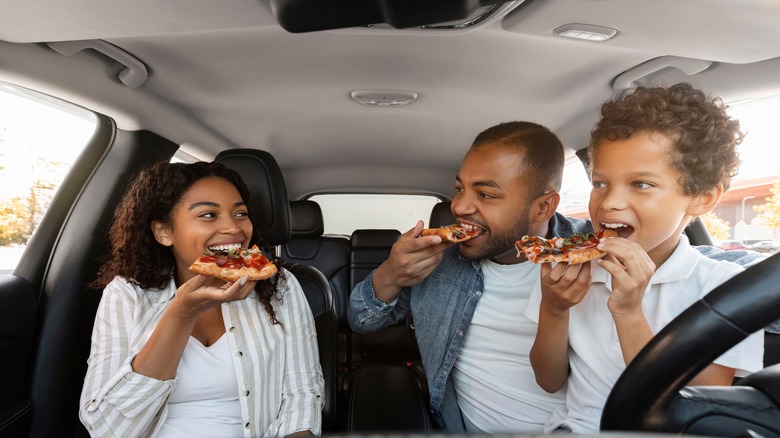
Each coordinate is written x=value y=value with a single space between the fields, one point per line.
x=447 y=234
x=232 y=274
x=578 y=256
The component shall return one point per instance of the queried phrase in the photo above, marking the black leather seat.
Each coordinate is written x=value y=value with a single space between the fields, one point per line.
x=386 y=398
x=270 y=212
x=385 y=390
x=391 y=345
x=329 y=254
x=441 y=215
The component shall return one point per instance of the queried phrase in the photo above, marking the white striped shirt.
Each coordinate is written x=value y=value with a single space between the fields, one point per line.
x=278 y=369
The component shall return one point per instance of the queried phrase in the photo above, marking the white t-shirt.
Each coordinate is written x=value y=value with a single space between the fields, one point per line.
x=205 y=400
x=595 y=358
x=493 y=378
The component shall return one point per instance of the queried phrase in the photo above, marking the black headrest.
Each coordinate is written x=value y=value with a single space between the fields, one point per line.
x=268 y=205
x=306 y=219
x=441 y=215
x=374 y=238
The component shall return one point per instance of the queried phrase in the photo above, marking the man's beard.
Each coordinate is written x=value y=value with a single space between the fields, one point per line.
x=497 y=244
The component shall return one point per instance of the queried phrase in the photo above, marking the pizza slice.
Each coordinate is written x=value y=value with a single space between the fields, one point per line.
x=576 y=249
x=231 y=265
x=453 y=233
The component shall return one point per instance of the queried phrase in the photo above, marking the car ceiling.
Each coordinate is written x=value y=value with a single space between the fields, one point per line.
x=226 y=74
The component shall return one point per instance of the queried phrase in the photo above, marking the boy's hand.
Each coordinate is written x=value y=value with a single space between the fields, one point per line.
x=564 y=285
x=411 y=260
x=631 y=269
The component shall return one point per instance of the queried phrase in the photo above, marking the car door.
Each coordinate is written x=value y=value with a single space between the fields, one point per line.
x=46 y=305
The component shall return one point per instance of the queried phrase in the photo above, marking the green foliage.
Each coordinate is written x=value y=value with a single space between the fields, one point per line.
x=20 y=216
x=717 y=227
x=14 y=221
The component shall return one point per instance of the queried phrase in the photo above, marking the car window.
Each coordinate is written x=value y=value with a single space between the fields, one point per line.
x=345 y=213
x=575 y=189
x=749 y=212
x=40 y=138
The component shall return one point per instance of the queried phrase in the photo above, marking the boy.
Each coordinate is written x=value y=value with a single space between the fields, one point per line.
x=659 y=158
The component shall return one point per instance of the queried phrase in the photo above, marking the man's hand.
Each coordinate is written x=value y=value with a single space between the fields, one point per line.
x=411 y=260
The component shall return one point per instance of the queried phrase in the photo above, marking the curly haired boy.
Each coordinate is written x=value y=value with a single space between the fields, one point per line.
x=660 y=157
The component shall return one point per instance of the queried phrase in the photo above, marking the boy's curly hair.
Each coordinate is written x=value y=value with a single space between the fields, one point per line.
x=704 y=136
x=152 y=195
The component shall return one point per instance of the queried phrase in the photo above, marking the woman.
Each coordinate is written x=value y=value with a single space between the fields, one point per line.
x=177 y=354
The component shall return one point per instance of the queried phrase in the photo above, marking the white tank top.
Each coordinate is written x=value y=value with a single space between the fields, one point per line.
x=204 y=402
x=496 y=388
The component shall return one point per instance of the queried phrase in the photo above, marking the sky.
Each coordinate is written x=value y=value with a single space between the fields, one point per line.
x=31 y=130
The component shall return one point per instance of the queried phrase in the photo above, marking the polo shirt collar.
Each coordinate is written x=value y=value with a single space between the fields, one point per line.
x=677 y=267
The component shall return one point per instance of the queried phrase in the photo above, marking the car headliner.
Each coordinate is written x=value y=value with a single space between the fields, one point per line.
x=225 y=75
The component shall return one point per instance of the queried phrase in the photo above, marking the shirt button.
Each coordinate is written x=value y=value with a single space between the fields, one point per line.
x=247 y=394
x=479 y=293
x=460 y=332
x=240 y=353
x=247 y=425
x=232 y=329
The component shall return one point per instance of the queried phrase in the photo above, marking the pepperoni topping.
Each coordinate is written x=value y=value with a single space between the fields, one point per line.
x=237 y=259
x=535 y=247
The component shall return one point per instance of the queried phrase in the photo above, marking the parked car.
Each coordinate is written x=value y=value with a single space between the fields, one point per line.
x=770 y=246
x=731 y=244
x=366 y=108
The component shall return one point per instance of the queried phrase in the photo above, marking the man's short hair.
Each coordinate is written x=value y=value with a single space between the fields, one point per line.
x=542 y=153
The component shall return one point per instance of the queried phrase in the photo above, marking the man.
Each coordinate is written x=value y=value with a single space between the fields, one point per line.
x=468 y=299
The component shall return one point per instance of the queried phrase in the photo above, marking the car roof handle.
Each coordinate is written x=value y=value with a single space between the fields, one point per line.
x=689 y=66
x=133 y=75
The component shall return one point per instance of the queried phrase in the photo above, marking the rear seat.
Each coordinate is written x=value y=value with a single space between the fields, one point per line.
x=329 y=254
x=385 y=389
x=381 y=371
x=394 y=345
x=441 y=215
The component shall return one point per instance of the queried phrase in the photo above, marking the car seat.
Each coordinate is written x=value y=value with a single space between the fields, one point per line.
x=385 y=389
x=329 y=254
x=270 y=212
x=441 y=215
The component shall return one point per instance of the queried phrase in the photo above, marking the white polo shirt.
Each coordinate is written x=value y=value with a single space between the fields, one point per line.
x=595 y=357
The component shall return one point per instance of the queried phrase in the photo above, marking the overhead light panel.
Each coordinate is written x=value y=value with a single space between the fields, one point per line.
x=588 y=32
x=383 y=98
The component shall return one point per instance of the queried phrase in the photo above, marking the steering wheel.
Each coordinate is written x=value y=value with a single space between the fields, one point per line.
x=648 y=396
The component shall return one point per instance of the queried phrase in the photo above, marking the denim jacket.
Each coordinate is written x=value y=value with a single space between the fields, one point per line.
x=442 y=305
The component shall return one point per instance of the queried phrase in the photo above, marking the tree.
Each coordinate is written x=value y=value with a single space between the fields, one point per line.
x=769 y=213
x=14 y=222
x=717 y=227
x=21 y=216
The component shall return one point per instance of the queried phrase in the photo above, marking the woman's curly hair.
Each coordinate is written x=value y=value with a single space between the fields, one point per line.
x=152 y=195
x=704 y=136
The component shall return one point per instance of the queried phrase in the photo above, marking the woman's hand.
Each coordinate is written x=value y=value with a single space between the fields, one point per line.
x=202 y=292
